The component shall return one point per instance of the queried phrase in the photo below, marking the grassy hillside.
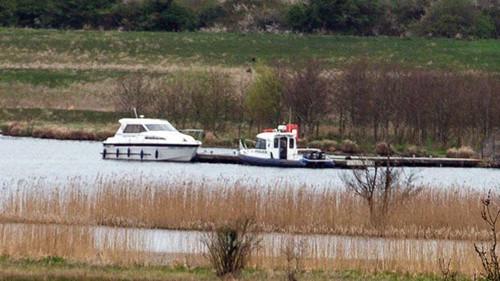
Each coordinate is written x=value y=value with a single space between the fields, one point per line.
x=78 y=70
x=85 y=48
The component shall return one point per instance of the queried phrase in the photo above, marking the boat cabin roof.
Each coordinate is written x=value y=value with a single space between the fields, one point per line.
x=272 y=135
x=141 y=121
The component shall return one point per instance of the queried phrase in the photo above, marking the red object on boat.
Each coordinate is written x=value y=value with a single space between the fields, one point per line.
x=291 y=128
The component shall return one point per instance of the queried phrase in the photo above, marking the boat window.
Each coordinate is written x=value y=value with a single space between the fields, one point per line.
x=134 y=129
x=161 y=127
x=291 y=143
x=276 y=143
x=260 y=144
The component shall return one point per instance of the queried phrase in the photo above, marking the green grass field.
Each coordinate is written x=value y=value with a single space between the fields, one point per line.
x=230 y=49
x=58 y=269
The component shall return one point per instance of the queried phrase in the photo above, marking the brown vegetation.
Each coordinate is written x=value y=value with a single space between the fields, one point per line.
x=31 y=129
x=462 y=152
x=205 y=98
x=383 y=101
x=109 y=246
x=382 y=188
x=432 y=213
x=231 y=245
x=71 y=242
x=490 y=214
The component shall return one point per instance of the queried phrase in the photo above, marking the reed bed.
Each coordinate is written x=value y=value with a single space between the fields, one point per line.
x=119 y=246
x=71 y=242
x=181 y=204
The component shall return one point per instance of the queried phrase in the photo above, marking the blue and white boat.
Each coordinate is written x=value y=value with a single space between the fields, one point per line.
x=278 y=148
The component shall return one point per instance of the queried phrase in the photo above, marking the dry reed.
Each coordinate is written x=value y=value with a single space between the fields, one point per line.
x=71 y=242
x=433 y=214
x=133 y=247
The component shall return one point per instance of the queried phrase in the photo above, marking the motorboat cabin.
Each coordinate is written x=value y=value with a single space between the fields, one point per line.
x=278 y=147
x=149 y=139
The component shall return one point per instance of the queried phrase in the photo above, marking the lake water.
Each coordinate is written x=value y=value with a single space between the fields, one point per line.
x=54 y=160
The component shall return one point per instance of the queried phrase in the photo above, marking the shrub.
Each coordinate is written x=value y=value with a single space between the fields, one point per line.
x=134 y=91
x=484 y=26
x=294 y=252
x=416 y=151
x=347 y=16
x=18 y=128
x=209 y=16
x=466 y=152
x=262 y=101
x=102 y=135
x=299 y=18
x=383 y=149
x=490 y=213
x=462 y=152
x=7 y=9
x=349 y=146
x=231 y=245
x=451 y=18
x=325 y=145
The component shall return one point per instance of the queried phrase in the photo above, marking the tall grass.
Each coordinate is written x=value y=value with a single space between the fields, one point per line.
x=182 y=204
x=127 y=247
x=70 y=242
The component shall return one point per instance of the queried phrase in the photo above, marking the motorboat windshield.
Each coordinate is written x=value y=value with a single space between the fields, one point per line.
x=165 y=127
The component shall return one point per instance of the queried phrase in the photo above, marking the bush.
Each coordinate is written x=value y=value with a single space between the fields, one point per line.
x=263 y=99
x=462 y=152
x=134 y=91
x=415 y=151
x=299 y=18
x=484 y=26
x=349 y=146
x=210 y=15
x=7 y=9
x=324 y=145
x=166 y=15
x=383 y=149
x=230 y=246
x=347 y=16
x=452 y=18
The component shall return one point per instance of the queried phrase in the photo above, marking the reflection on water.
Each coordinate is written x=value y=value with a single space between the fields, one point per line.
x=22 y=158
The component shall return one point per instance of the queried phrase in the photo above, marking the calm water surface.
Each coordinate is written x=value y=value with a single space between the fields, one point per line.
x=53 y=160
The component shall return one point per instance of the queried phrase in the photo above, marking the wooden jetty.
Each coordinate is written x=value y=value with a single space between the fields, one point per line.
x=230 y=156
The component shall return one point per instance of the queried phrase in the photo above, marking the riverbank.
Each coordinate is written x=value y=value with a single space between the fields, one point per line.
x=60 y=269
x=93 y=125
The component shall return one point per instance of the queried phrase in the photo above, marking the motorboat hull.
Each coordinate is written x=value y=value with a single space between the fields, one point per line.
x=150 y=152
x=284 y=163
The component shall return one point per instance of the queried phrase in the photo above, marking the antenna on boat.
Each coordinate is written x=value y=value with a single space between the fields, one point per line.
x=135 y=112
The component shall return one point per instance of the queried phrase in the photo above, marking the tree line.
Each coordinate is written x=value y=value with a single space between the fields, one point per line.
x=449 y=18
x=365 y=101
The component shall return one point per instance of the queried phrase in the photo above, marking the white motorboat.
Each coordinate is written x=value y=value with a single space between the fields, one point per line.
x=149 y=140
x=278 y=148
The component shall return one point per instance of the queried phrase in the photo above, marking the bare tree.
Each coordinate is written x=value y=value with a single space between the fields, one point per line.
x=230 y=246
x=382 y=188
x=446 y=271
x=488 y=254
x=294 y=252
x=172 y=98
x=134 y=91
x=307 y=94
